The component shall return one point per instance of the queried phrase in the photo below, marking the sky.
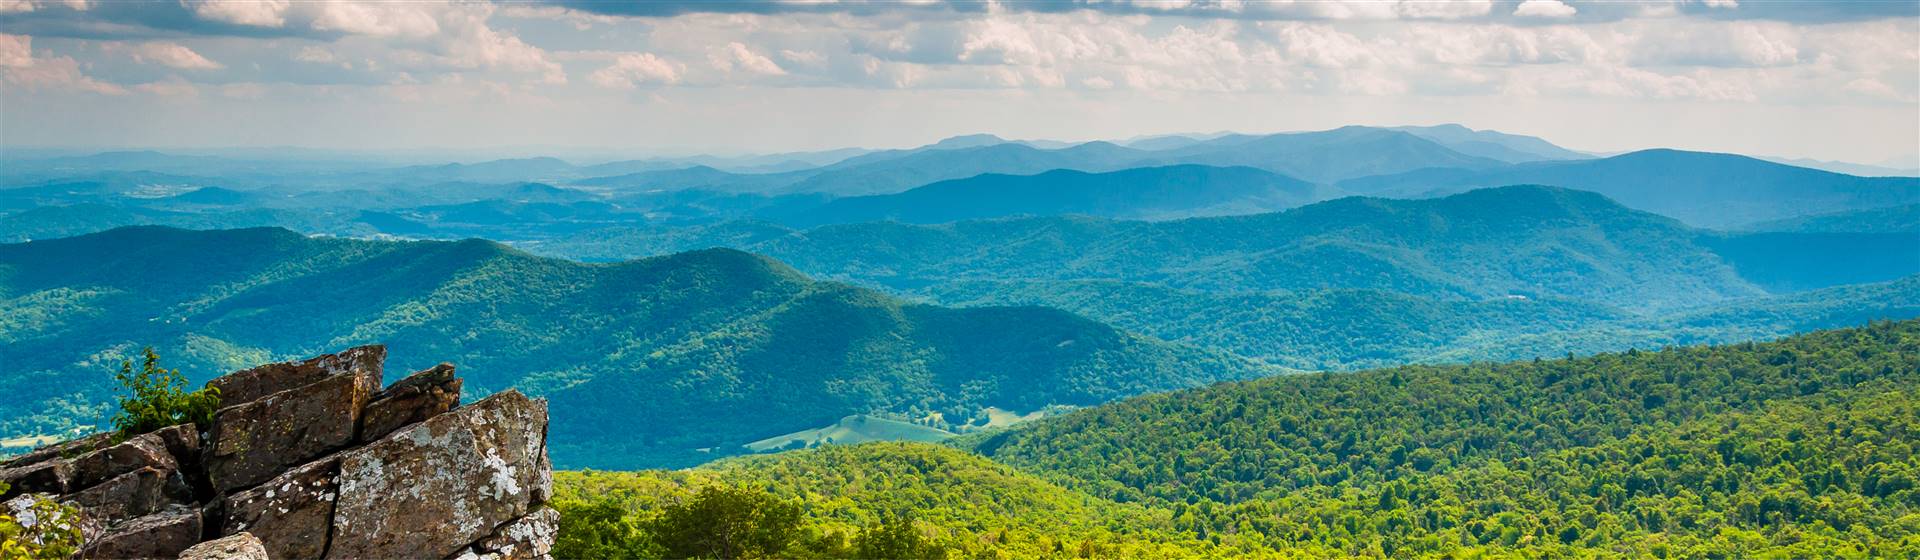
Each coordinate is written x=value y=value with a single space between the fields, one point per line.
x=1825 y=80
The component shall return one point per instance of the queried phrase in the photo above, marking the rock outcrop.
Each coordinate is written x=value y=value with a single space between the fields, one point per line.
x=313 y=459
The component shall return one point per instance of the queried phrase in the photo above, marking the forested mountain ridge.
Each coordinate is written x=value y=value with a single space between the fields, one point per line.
x=1801 y=448
x=727 y=347
x=1356 y=329
x=1512 y=241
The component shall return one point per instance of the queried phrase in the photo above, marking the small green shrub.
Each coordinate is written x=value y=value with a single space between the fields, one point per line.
x=159 y=398
x=44 y=530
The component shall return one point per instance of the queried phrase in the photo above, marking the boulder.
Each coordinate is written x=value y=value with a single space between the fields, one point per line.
x=182 y=441
x=530 y=537
x=434 y=488
x=50 y=476
x=131 y=495
x=253 y=442
x=239 y=546
x=159 y=535
x=249 y=385
x=138 y=452
x=291 y=514
x=310 y=459
x=65 y=449
x=418 y=397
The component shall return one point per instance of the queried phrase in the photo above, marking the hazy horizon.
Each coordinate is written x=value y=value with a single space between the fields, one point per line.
x=1829 y=81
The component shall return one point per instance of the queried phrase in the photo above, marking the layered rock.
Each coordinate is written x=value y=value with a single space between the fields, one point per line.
x=313 y=459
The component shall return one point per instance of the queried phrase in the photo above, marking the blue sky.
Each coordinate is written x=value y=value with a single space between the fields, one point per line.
x=1830 y=80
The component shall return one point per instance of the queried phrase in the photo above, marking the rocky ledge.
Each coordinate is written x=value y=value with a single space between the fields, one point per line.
x=313 y=459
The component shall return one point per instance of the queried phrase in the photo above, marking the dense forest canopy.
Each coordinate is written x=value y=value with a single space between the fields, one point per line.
x=1800 y=448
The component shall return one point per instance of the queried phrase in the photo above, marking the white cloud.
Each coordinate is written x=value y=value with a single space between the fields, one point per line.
x=736 y=56
x=172 y=87
x=1730 y=44
x=255 y=13
x=316 y=55
x=16 y=51
x=15 y=6
x=1544 y=9
x=20 y=69
x=171 y=55
x=632 y=69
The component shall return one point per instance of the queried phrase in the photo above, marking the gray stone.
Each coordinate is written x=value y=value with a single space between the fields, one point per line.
x=418 y=397
x=138 y=452
x=432 y=489
x=50 y=476
x=240 y=546
x=160 y=535
x=290 y=514
x=182 y=441
x=529 y=537
x=62 y=450
x=131 y=495
x=253 y=442
x=249 y=385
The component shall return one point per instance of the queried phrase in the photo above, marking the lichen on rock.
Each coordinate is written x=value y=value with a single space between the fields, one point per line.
x=313 y=459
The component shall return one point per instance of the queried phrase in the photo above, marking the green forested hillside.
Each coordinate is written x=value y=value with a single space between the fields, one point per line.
x=1801 y=448
x=1493 y=274
x=1530 y=241
x=1355 y=329
x=971 y=506
x=1797 y=448
x=665 y=361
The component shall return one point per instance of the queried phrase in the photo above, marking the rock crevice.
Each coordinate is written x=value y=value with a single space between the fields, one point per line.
x=314 y=459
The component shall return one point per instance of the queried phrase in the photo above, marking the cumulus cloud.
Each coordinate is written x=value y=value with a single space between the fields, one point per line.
x=16 y=51
x=1544 y=9
x=633 y=69
x=737 y=57
x=19 y=68
x=260 y=13
x=1150 y=47
x=171 y=55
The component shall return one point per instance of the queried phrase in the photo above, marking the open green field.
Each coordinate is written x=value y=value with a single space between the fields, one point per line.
x=857 y=428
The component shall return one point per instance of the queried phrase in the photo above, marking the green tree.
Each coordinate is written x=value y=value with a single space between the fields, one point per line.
x=158 y=398
x=726 y=522
x=896 y=538
x=598 y=528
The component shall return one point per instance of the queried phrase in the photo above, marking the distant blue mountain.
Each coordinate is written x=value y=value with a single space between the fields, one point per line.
x=1700 y=188
x=1141 y=193
x=1490 y=144
x=1326 y=156
x=1318 y=157
x=1894 y=219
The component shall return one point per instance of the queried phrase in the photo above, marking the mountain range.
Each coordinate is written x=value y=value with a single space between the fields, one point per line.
x=665 y=361
x=1491 y=274
x=965 y=177
x=1527 y=241
x=1150 y=193
x=1702 y=189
